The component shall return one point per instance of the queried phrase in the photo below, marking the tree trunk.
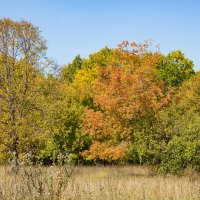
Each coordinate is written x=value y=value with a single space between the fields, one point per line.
x=14 y=136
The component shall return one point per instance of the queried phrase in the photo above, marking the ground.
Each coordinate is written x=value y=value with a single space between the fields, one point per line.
x=104 y=183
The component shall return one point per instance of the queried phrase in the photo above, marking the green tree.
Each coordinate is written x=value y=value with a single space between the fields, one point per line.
x=68 y=72
x=61 y=123
x=175 y=68
x=180 y=124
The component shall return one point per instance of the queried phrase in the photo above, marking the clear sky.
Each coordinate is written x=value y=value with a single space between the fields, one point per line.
x=82 y=27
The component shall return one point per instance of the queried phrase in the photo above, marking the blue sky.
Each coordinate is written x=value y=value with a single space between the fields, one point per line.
x=82 y=27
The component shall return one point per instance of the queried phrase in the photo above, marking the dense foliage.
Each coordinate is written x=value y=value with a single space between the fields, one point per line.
x=125 y=105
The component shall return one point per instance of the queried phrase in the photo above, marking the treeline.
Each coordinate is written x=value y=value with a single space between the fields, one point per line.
x=131 y=104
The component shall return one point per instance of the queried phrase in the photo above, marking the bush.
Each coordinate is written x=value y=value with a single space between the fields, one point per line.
x=179 y=155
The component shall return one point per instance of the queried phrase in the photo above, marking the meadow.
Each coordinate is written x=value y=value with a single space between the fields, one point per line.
x=96 y=182
x=89 y=127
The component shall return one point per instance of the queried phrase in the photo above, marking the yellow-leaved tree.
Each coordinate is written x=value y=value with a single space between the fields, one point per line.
x=21 y=49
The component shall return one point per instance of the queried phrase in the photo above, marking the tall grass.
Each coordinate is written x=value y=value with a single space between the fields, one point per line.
x=37 y=183
x=116 y=182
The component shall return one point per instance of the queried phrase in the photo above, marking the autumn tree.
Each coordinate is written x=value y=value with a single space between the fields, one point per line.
x=81 y=89
x=128 y=96
x=21 y=47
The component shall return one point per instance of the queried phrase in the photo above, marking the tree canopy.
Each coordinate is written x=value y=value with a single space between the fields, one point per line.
x=129 y=104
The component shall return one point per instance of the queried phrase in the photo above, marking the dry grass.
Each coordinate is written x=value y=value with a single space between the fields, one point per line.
x=128 y=182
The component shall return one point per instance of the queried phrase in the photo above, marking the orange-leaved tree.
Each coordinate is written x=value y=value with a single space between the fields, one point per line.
x=127 y=96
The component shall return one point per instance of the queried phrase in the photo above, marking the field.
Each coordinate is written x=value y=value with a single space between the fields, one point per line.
x=116 y=182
